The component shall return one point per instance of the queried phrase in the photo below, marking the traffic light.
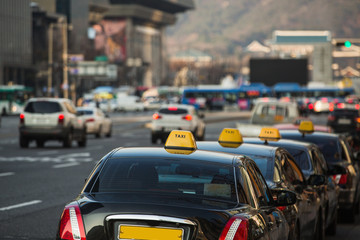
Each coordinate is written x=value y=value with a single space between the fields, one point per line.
x=345 y=43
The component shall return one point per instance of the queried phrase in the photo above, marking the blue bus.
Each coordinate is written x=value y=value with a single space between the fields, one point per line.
x=217 y=98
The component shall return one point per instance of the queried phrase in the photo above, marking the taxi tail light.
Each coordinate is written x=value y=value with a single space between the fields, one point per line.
x=187 y=117
x=357 y=106
x=156 y=116
x=71 y=224
x=331 y=118
x=331 y=107
x=342 y=179
x=235 y=229
x=311 y=106
x=61 y=119
x=22 y=118
x=281 y=208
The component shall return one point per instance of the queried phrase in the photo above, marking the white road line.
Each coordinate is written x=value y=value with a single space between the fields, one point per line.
x=20 y=205
x=66 y=165
x=48 y=152
x=6 y=174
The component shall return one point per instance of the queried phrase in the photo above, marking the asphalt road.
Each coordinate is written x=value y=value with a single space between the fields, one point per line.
x=36 y=183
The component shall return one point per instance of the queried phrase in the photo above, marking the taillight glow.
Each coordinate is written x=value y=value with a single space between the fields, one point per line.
x=156 y=116
x=341 y=179
x=61 y=118
x=357 y=120
x=187 y=117
x=172 y=108
x=331 y=107
x=281 y=208
x=235 y=229
x=341 y=105
x=90 y=120
x=71 y=224
x=22 y=118
x=357 y=106
x=331 y=118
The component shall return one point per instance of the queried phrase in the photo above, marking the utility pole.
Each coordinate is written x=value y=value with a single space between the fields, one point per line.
x=50 y=60
x=65 y=60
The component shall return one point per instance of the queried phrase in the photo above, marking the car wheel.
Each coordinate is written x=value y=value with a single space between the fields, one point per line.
x=320 y=228
x=153 y=139
x=331 y=230
x=24 y=142
x=40 y=143
x=295 y=234
x=109 y=133
x=67 y=140
x=82 y=142
x=98 y=134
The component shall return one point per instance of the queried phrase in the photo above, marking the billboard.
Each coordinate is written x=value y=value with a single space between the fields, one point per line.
x=110 y=39
x=272 y=70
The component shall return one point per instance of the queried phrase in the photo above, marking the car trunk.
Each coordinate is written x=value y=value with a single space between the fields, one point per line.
x=107 y=219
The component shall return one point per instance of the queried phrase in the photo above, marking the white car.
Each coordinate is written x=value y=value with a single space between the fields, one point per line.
x=129 y=103
x=274 y=112
x=46 y=119
x=176 y=117
x=97 y=122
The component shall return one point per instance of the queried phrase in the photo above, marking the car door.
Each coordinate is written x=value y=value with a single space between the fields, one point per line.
x=307 y=201
x=276 y=224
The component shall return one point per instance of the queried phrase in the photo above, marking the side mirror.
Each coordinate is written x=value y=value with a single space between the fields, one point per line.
x=316 y=180
x=336 y=170
x=283 y=197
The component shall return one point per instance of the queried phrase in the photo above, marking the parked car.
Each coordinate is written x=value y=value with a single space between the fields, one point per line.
x=277 y=165
x=175 y=192
x=46 y=119
x=345 y=120
x=339 y=157
x=97 y=122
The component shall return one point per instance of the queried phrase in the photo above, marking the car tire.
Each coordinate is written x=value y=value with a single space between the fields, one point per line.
x=40 y=143
x=98 y=134
x=67 y=141
x=153 y=139
x=24 y=142
x=331 y=230
x=82 y=142
x=320 y=228
x=108 y=134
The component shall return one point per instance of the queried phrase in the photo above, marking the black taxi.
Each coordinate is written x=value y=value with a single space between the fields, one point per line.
x=340 y=159
x=175 y=193
x=311 y=161
x=281 y=172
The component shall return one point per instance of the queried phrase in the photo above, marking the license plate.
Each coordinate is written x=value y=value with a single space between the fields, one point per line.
x=344 y=121
x=149 y=233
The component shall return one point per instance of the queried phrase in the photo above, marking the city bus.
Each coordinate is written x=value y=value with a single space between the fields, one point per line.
x=13 y=97
x=217 y=98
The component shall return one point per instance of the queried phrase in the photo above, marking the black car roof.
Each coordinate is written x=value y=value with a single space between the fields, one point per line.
x=245 y=149
x=158 y=152
x=314 y=134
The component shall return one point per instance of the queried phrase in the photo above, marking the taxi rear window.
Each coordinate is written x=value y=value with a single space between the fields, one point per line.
x=85 y=112
x=167 y=176
x=173 y=110
x=43 y=107
x=265 y=164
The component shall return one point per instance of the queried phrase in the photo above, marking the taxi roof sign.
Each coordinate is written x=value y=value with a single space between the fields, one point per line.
x=306 y=127
x=230 y=137
x=270 y=134
x=180 y=142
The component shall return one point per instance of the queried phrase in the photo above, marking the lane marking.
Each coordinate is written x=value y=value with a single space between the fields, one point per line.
x=20 y=205
x=48 y=152
x=66 y=165
x=6 y=174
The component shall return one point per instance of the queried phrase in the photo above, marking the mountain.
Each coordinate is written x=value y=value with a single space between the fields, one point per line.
x=223 y=27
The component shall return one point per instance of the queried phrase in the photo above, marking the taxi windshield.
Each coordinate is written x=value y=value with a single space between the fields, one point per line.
x=180 y=177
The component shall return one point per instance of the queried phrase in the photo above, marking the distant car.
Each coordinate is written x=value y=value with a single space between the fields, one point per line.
x=97 y=122
x=339 y=157
x=46 y=119
x=129 y=103
x=274 y=112
x=344 y=120
x=175 y=193
x=176 y=117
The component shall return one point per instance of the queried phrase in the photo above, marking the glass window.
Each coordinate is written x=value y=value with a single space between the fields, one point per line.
x=173 y=110
x=166 y=176
x=265 y=164
x=43 y=107
x=301 y=158
x=260 y=186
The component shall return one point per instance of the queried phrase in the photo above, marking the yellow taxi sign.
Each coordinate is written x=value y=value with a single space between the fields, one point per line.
x=180 y=142
x=306 y=127
x=269 y=134
x=230 y=137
